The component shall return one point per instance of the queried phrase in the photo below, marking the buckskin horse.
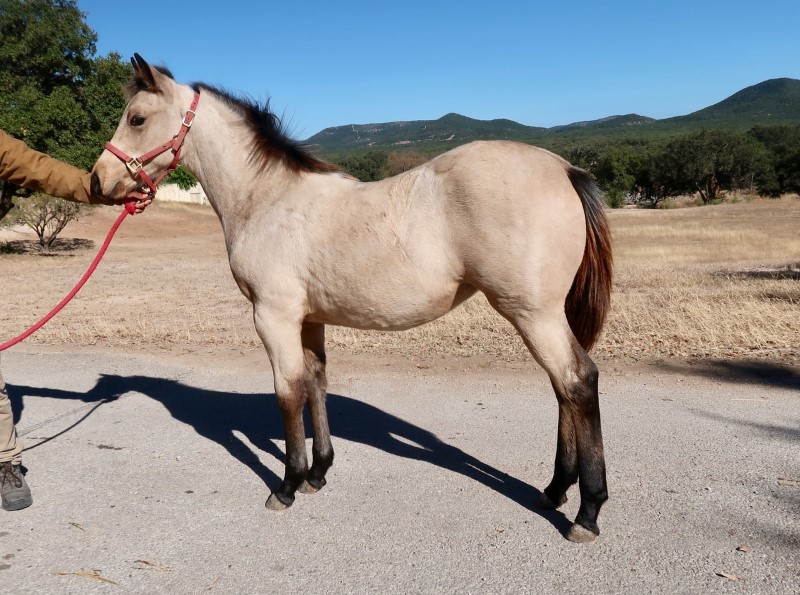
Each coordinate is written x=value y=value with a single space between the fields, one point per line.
x=310 y=246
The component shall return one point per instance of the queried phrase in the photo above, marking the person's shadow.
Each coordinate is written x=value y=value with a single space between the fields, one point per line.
x=217 y=415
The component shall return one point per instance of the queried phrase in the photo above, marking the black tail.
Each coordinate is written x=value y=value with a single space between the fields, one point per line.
x=589 y=298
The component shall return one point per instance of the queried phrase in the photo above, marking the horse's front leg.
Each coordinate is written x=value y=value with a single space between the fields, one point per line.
x=281 y=338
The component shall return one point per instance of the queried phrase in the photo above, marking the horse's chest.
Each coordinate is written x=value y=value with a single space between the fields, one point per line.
x=263 y=268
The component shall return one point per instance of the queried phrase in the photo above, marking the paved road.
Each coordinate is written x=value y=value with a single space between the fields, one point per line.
x=152 y=475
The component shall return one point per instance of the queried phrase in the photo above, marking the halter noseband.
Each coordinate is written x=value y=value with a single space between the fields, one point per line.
x=135 y=165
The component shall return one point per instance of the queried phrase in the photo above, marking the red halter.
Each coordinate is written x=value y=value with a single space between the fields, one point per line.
x=135 y=165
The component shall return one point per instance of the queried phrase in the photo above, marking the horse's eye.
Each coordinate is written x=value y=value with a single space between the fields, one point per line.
x=137 y=120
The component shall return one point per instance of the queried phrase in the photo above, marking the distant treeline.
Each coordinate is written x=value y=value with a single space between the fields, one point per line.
x=764 y=161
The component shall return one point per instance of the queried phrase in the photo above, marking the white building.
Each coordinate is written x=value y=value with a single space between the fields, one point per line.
x=172 y=193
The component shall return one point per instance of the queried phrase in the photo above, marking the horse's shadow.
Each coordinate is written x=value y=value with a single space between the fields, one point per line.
x=219 y=415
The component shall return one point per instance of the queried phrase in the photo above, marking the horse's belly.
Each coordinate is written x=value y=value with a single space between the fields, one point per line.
x=388 y=310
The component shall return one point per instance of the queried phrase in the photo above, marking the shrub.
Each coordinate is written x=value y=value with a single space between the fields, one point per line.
x=182 y=177
x=46 y=215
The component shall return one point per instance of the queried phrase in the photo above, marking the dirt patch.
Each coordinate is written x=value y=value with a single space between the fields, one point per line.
x=711 y=283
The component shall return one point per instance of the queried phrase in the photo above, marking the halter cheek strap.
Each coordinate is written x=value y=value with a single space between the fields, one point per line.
x=136 y=165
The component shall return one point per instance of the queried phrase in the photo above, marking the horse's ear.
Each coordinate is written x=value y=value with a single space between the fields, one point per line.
x=143 y=77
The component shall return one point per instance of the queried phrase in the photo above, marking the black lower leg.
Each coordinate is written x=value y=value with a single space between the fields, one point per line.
x=322 y=449
x=591 y=459
x=593 y=485
x=292 y=480
x=296 y=461
x=319 y=467
x=588 y=513
x=565 y=471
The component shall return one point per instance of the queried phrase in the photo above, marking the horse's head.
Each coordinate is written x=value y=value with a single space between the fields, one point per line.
x=155 y=112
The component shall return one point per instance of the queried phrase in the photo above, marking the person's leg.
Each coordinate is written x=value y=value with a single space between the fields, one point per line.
x=14 y=490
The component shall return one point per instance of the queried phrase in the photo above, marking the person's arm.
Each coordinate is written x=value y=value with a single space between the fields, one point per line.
x=22 y=166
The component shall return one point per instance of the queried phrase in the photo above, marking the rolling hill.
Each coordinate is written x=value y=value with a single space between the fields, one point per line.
x=772 y=102
x=453 y=128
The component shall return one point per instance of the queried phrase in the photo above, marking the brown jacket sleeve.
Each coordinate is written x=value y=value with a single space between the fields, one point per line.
x=22 y=166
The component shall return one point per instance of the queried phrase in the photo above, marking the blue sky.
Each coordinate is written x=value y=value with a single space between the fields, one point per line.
x=355 y=62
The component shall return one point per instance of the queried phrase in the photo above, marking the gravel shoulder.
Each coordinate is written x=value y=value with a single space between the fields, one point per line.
x=150 y=473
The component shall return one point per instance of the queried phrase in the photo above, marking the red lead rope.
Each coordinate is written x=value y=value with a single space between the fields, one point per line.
x=130 y=209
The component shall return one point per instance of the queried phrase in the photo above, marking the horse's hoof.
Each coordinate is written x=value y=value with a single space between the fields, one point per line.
x=311 y=486
x=546 y=503
x=275 y=503
x=580 y=534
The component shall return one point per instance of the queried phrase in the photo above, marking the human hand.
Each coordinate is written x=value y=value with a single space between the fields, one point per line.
x=143 y=200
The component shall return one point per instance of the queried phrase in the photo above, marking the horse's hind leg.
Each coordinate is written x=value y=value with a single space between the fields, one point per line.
x=313 y=338
x=579 y=453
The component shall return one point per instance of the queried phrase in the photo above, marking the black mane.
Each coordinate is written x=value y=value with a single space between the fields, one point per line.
x=271 y=140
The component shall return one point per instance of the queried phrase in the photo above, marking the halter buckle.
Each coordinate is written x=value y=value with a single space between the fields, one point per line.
x=187 y=119
x=134 y=166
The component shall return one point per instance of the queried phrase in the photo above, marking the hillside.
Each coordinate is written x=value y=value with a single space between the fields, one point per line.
x=773 y=101
x=776 y=101
x=451 y=128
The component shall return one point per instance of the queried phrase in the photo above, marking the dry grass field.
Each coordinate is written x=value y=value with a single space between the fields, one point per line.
x=711 y=282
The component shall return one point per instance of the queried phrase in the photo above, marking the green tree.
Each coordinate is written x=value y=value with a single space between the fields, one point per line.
x=646 y=189
x=615 y=174
x=585 y=156
x=55 y=94
x=782 y=146
x=367 y=167
x=708 y=162
x=103 y=100
x=620 y=169
x=182 y=177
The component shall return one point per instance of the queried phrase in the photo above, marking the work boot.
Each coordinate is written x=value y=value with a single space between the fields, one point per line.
x=13 y=488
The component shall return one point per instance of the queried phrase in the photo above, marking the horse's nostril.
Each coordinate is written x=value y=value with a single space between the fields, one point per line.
x=97 y=187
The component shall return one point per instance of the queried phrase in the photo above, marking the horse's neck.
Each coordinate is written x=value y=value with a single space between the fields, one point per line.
x=217 y=152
